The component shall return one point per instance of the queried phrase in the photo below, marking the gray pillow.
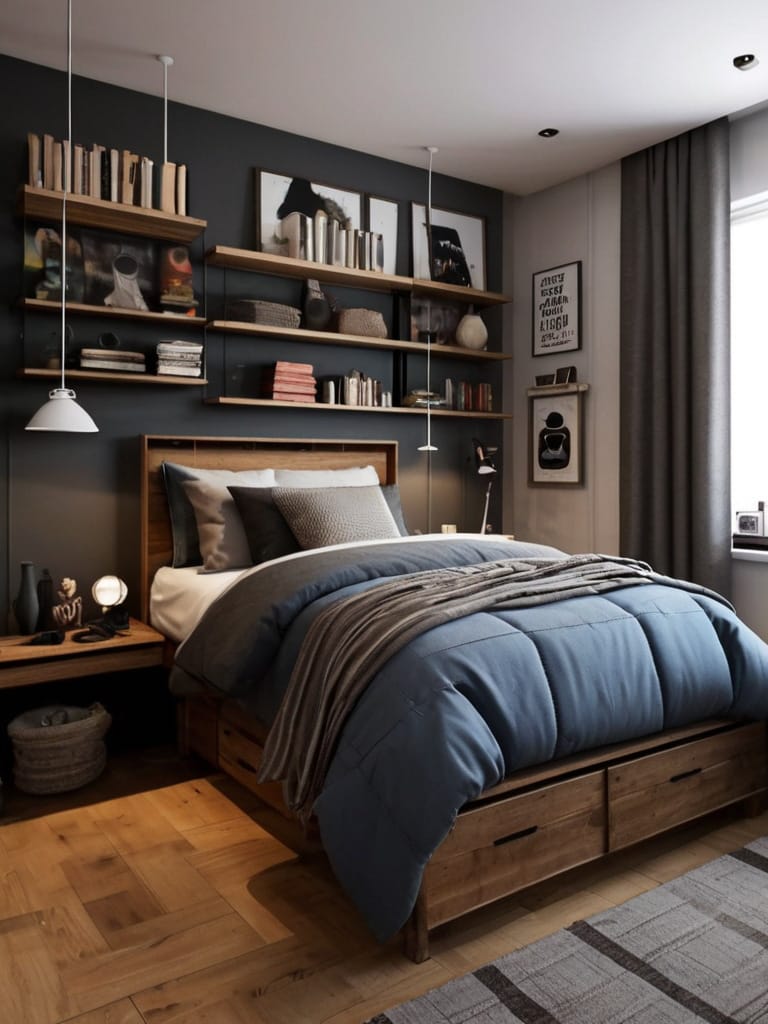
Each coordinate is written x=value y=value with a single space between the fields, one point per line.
x=220 y=531
x=322 y=516
x=391 y=494
x=268 y=534
x=186 y=546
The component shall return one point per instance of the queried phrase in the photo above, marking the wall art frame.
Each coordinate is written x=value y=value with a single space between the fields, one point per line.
x=458 y=244
x=556 y=309
x=555 y=436
x=271 y=190
x=382 y=217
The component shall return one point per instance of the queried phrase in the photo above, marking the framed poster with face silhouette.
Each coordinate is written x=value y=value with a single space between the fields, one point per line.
x=555 y=431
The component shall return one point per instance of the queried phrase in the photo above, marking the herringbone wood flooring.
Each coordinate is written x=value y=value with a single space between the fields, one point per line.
x=175 y=905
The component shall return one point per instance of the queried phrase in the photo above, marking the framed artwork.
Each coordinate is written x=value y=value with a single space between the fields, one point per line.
x=382 y=219
x=277 y=195
x=458 y=247
x=120 y=272
x=556 y=309
x=554 y=438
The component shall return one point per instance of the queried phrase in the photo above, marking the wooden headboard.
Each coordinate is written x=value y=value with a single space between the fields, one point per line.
x=235 y=453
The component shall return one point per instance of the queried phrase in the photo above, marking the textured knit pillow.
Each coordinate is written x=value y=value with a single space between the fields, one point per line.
x=220 y=531
x=350 y=476
x=322 y=516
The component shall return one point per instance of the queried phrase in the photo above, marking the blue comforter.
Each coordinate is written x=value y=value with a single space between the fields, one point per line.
x=469 y=702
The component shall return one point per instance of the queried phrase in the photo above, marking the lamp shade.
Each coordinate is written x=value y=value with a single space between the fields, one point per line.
x=61 y=412
x=109 y=591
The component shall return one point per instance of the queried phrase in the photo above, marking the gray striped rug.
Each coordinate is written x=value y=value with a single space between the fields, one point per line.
x=694 y=949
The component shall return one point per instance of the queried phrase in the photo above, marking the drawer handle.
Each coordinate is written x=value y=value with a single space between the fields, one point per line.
x=244 y=764
x=685 y=775
x=516 y=835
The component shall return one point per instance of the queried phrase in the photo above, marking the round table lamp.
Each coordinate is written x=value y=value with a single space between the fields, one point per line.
x=109 y=592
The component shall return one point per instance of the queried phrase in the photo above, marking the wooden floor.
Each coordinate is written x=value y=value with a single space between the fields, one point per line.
x=174 y=906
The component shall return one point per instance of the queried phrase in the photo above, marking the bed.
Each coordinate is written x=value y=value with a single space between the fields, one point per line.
x=441 y=780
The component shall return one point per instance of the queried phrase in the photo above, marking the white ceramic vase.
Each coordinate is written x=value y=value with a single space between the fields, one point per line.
x=471 y=332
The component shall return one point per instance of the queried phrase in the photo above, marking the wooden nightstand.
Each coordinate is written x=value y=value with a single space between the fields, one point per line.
x=22 y=664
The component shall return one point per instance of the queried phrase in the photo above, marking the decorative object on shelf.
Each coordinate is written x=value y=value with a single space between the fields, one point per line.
x=555 y=434
x=119 y=272
x=471 y=331
x=441 y=318
x=45 y=602
x=176 y=292
x=270 y=314
x=383 y=216
x=278 y=195
x=26 y=607
x=421 y=398
x=61 y=412
x=68 y=613
x=291 y=382
x=458 y=247
x=556 y=309
x=317 y=307
x=485 y=466
x=368 y=323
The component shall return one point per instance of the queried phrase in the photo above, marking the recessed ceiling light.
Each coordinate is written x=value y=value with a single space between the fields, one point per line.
x=745 y=61
x=549 y=133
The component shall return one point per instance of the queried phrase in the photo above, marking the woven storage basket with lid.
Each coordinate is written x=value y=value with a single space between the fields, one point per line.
x=255 y=311
x=58 y=748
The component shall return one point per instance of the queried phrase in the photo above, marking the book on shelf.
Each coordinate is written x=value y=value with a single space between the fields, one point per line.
x=146 y=167
x=287 y=396
x=289 y=367
x=320 y=236
x=350 y=248
x=296 y=229
x=114 y=175
x=122 y=366
x=58 y=178
x=35 y=162
x=47 y=161
x=165 y=369
x=94 y=171
x=181 y=190
x=129 y=177
x=119 y=355
x=168 y=187
x=66 y=164
x=180 y=348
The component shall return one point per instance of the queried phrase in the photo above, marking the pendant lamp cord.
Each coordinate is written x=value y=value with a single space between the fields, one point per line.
x=67 y=163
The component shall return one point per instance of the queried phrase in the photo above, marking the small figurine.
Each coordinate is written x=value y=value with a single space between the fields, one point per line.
x=68 y=614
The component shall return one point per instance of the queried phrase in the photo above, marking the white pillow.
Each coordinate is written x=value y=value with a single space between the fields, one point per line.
x=354 y=476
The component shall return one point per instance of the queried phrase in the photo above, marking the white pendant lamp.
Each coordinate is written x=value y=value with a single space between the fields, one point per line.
x=61 y=412
x=429 y=447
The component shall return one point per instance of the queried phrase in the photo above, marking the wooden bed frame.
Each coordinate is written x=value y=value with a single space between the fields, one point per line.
x=537 y=823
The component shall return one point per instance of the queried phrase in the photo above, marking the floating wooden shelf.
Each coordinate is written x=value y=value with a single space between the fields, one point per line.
x=99 y=213
x=83 y=309
x=286 y=266
x=349 y=340
x=274 y=403
x=114 y=375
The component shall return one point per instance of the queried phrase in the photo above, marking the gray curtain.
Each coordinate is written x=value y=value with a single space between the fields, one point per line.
x=675 y=356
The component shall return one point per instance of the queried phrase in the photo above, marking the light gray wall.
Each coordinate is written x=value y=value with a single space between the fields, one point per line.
x=749 y=177
x=578 y=220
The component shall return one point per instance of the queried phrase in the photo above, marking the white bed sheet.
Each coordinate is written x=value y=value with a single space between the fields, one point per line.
x=178 y=597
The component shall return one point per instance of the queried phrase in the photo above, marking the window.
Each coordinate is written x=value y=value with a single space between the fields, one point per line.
x=749 y=355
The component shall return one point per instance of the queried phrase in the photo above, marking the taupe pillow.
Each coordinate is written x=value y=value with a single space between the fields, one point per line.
x=339 y=515
x=220 y=532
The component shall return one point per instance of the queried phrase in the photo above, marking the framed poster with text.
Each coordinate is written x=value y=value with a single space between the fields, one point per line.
x=556 y=310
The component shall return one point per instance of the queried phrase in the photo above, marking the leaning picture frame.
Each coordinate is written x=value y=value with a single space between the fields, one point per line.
x=556 y=309
x=382 y=219
x=458 y=247
x=555 y=438
x=275 y=192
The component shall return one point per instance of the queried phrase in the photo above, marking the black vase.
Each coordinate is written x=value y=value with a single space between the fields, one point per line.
x=45 y=602
x=26 y=606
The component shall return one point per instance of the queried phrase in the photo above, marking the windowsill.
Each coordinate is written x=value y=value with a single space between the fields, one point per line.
x=749 y=555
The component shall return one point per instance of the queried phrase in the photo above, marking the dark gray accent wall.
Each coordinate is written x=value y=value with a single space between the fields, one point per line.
x=70 y=503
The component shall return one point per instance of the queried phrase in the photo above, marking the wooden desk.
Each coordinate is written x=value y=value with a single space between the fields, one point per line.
x=24 y=664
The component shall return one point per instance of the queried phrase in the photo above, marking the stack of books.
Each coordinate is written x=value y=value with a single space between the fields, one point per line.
x=112 y=359
x=291 y=382
x=180 y=358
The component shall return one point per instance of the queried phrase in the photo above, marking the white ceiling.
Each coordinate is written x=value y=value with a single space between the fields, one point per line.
x=390 y=77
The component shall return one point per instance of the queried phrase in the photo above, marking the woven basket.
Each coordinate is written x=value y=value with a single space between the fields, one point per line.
x=367 y=322
x=273 y=314
x=58 y=748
